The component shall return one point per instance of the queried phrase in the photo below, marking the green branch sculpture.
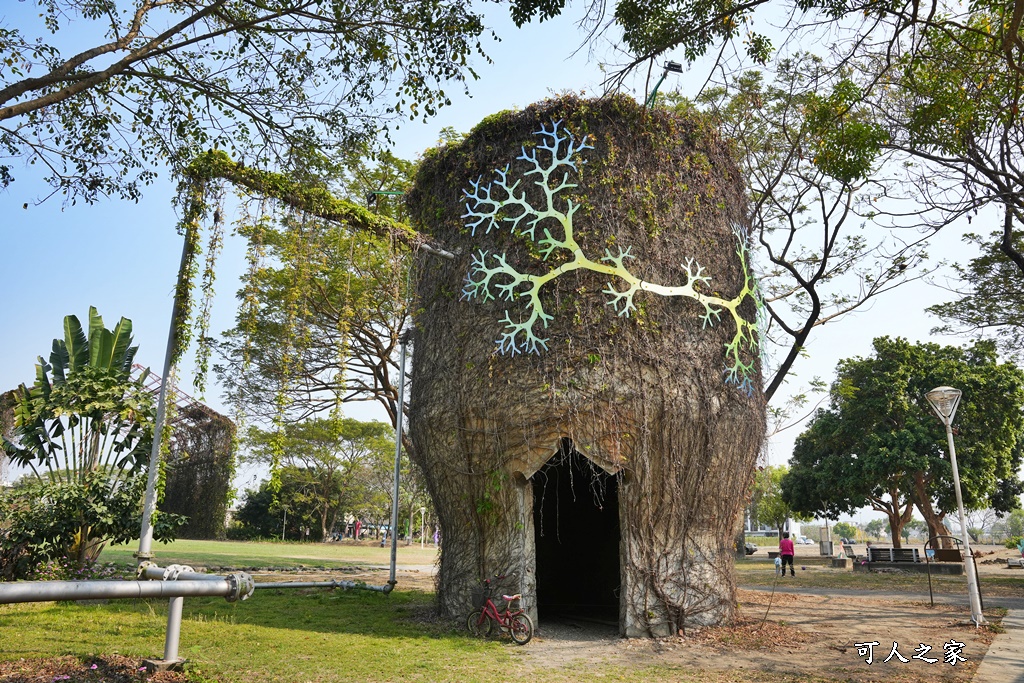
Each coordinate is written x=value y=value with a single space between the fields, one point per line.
x=503 y=204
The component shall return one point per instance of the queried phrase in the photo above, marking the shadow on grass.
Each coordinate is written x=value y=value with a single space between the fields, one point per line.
x=285 y=635
x=402 y=614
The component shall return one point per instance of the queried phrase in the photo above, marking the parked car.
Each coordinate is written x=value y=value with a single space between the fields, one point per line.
x=750 y=548
x=805 y=541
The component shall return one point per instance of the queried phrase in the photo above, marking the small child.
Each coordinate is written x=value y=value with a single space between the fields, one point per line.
x=786 y=553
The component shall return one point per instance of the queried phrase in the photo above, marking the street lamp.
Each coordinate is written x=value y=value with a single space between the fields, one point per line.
x=670 y=67
x=423 y=512
x=944 y=401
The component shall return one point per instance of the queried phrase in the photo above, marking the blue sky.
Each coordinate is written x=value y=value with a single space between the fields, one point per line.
x=122 y=257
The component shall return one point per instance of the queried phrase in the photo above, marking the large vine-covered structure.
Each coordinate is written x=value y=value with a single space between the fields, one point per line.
x=198 y=463
x=586 y=403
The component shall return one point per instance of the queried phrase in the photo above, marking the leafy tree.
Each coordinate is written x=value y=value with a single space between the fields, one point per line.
x=844 y=530
x=85 y=432
x=327 y=458
x=823 y=480
x=280 y=508
x=991 y=290
x=812 y=175
x=953 y=103
x=767 y=504
x=876 y=527
x=913 y=526
x=321 y=310
x=256 y=516
x=1015 y=523
x=160 y=81
x=879 y=443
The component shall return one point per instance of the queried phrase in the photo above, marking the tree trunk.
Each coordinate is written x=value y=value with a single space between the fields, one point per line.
x=896 y=517
x=637 y=400
x=741 y=541
x=334 y=521
x=933 y=518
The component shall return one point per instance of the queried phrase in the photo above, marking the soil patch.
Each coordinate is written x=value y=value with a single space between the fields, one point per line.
x=106 y=669
x=802 y=635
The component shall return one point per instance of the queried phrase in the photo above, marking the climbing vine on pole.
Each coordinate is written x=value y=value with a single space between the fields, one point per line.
x=502 y=203
x=310 y=199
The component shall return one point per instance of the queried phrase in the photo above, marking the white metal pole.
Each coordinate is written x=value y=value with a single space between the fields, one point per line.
x=972 y=579
x=145 y=552
x=404 y=339
x=173 y=629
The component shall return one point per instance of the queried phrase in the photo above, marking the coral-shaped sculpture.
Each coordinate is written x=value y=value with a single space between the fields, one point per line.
x=503 y=204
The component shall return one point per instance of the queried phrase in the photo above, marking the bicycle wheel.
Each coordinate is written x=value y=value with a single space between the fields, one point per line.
x=479 y=624
x=521 y=629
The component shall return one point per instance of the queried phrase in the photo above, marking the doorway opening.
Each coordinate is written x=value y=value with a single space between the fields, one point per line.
x=576 y=527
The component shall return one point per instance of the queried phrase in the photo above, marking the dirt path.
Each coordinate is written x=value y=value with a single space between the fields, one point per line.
x=804 y=634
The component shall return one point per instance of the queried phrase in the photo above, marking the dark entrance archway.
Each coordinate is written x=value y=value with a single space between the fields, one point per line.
x=576 y=527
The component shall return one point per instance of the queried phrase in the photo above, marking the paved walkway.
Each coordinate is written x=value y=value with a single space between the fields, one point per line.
x=1004 y=662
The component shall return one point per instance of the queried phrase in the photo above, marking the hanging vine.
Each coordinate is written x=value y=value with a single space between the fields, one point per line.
x=305 y=199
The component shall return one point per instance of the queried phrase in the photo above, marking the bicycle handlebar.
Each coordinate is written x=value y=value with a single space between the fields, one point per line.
x=487 y=582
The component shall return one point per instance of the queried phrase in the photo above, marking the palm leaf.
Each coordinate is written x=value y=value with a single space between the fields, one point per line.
x=76 y=343
x=95 y=321
x=101 y=348
x=59 y=359
x=42 y=385
x=122 y=354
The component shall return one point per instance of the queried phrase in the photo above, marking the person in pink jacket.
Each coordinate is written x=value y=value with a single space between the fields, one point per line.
x=786 y=552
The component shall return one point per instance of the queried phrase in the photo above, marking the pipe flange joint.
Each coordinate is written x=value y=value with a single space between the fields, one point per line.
x=242 y=587
x=141 y=569
x=173 y=571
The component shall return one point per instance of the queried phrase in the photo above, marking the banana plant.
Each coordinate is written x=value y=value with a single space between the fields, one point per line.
x=84 y=429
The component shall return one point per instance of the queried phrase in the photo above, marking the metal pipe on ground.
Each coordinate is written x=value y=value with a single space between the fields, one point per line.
x=47 y=591
x=176 y=572
x=387 y=588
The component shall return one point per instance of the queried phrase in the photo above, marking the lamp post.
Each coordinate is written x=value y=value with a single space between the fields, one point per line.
x=944 y=401
x=423 y=542
x=670 y=67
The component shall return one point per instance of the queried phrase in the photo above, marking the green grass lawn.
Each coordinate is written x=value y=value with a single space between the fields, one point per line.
x=312 y=636
x=253 y=554
x=274 y=636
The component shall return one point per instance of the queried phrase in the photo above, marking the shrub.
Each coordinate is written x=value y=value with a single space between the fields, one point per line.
x=64 y=570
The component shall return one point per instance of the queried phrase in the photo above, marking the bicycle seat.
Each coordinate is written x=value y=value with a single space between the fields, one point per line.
x=510 y=598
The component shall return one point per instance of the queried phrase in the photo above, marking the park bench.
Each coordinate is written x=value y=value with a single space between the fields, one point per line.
x=1012 y=562
x=948 y=555
x=848 y=551
x=893 y=554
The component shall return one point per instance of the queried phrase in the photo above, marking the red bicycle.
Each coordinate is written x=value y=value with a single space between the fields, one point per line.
x=517 y=624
